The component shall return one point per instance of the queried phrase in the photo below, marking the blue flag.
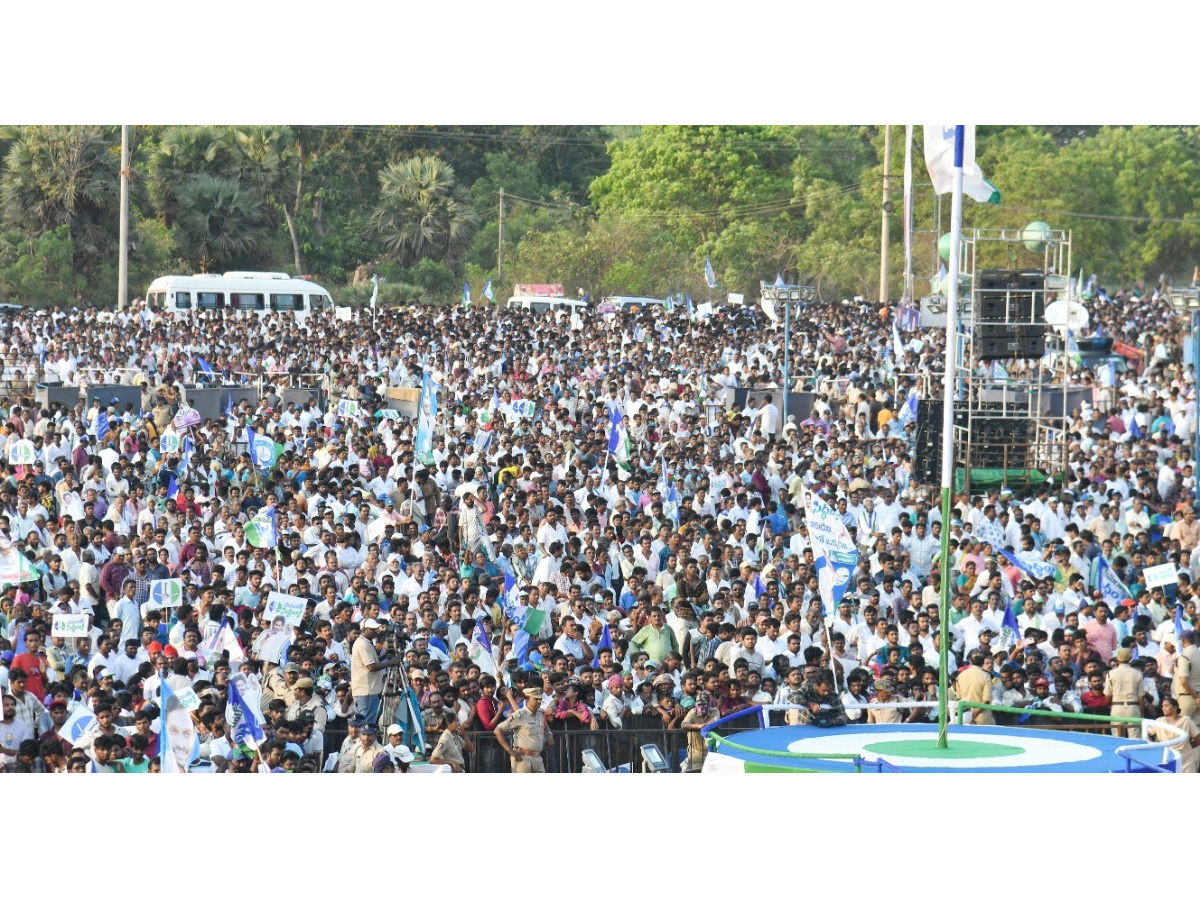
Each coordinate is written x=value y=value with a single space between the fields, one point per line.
x=690 y=310
x=605 y=640
x=710 y=277
x=172 y=488
x=521 y=647
x=204 y=366
x=1135 y=430
x=614 y=437
x=1010 y=620
x=246 y=730
x=229 y=407
x=189 y=447
x=908 y=412
x=101 y=424
x=779 y=280
x=1110 y=584
x=1032 y=566
x=672 y=504
x=466 y=293
x=487 y=290
x=759 y=587
x=1178 y=621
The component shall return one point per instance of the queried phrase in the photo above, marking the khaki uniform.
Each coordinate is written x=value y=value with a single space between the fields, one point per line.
x=526 y=733
x=1124 y=686
x=348 y=756
x=365 y=758
x=275 y=688
x=450 y=748
x=316 y=707
x=1187 y=672
x=975 y=685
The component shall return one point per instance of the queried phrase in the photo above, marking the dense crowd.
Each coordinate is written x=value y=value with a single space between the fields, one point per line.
x=520 y=592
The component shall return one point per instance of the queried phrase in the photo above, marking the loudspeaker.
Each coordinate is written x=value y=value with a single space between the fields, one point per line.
x=1009 y=295
x=999 y=443
x=1095 y=345
x=1009 y=341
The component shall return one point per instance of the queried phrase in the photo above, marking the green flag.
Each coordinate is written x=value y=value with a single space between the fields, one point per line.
x=533 y=621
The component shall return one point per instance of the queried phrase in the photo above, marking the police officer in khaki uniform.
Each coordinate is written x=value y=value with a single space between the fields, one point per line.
x=1124 y=686
x=975 y=684
x=305 y=701
x=524 y=734
x=1185 y=682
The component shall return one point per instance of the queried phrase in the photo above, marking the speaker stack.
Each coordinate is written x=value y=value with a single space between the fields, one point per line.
x=1010 y=314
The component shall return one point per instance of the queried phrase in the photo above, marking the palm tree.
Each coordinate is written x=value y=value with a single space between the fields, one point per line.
x=273 y=166
x=219 y=221
x=423 y=213
x=184 y=153
x=63 y=175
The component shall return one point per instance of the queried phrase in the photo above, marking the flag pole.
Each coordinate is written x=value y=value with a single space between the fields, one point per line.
x=908 y=197
x=948 y=379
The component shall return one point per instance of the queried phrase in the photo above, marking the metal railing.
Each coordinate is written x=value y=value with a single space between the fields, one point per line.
x=1168 y=748
x=618 y=749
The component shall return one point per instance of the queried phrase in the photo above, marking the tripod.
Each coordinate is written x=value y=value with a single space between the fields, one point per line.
x=400 y=705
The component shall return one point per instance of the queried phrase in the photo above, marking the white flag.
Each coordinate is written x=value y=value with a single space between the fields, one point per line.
x=939 y=158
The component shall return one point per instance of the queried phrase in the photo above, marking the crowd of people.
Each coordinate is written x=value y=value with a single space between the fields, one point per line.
x=516 y=591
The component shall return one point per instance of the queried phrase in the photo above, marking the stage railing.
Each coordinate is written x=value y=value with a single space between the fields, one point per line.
x=1168 y=748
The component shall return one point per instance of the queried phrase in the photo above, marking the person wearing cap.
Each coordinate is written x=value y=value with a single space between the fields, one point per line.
x=884 y=689
x=367 y=672
x=368 y=748
x=524 y=734
x=306 y=702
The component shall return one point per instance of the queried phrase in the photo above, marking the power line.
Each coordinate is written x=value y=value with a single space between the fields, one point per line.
x=767 y=207
x=800 y=141
x=1103 y=217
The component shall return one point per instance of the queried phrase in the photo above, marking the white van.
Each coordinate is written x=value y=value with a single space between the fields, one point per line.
x=611 y=305
x=249 y=292
x=547 y=304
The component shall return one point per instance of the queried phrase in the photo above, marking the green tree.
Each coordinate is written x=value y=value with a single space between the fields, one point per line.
x=64 y=175
x=423 y=213
x=41 y=271
x=184 y=153
x=273 y=166
x=219 y=222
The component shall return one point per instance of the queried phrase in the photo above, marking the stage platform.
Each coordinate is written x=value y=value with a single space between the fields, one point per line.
x=913 y=748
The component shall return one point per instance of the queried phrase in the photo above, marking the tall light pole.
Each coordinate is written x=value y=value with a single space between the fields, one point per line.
x=887 y=209
x=123 y=253
x=1189 y=301
x=787 y=295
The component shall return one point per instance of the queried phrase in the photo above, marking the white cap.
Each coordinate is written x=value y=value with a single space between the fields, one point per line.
x=370 y=623
x=395 y=729
x=401 y=753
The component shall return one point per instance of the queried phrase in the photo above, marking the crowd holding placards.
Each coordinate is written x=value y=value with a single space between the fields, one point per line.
x=583 y=533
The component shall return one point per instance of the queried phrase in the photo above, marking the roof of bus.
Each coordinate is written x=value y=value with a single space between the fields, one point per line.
x=244 y=281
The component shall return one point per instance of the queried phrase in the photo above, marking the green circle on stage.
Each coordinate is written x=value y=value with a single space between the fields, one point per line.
x=928 y=749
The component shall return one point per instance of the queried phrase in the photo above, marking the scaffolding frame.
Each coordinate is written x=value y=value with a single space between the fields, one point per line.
x=991 y=399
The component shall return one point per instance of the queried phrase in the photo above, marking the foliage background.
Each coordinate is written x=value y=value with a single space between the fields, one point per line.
x=602 y=209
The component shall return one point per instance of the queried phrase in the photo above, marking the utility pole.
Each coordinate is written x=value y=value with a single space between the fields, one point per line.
x=123 y=258
x=887 y=209
x=500 y=249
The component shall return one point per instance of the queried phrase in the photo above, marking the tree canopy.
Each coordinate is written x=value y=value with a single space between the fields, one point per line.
x=602 y=209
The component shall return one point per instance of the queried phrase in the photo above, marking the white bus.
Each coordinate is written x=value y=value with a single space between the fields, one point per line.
x=243 y=292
